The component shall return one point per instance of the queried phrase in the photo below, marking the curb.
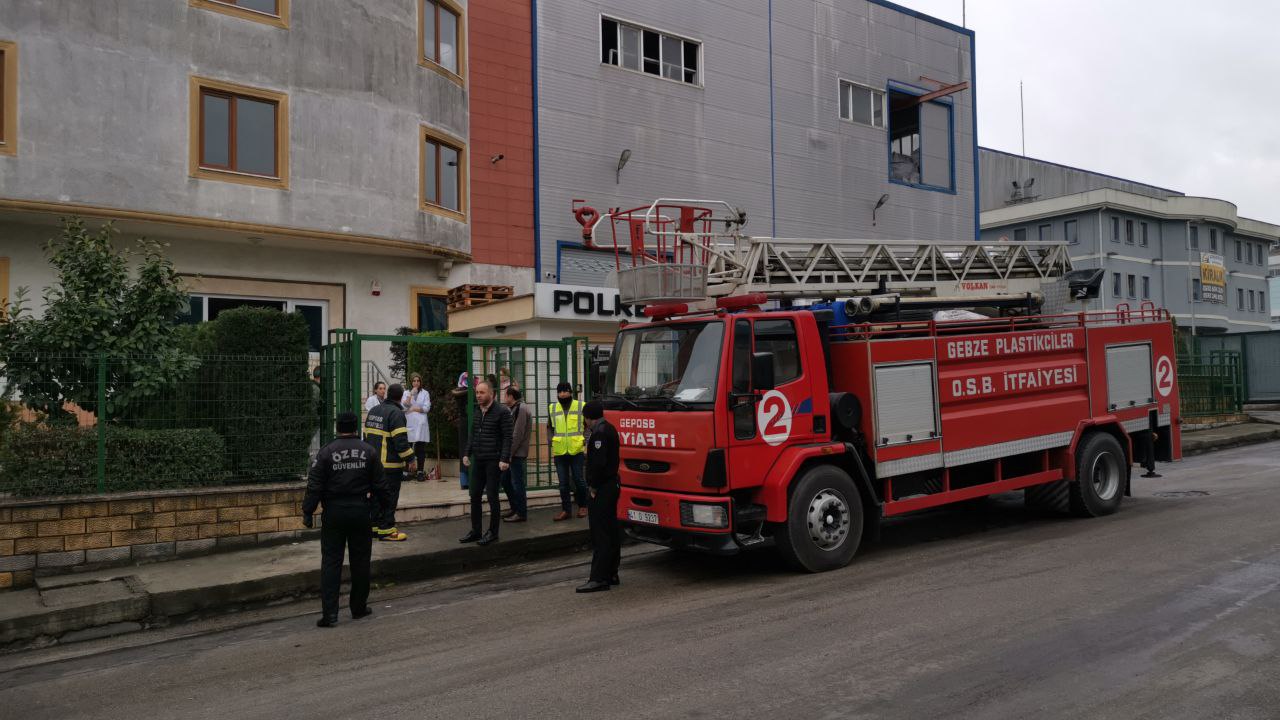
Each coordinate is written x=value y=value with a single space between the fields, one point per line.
x=1201 y=447
x=140 y=609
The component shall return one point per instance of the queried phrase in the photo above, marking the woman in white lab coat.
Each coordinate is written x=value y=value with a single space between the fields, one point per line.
x=417 y=403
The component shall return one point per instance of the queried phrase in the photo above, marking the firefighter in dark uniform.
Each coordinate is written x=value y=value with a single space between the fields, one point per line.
x=603 y=486
x=386 y=430
x=345 y=477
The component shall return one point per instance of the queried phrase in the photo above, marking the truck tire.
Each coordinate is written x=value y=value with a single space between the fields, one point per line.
x=824 y=521
x=1101 y=473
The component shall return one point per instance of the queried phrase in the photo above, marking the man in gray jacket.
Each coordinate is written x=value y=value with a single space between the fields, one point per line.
x=513 y=480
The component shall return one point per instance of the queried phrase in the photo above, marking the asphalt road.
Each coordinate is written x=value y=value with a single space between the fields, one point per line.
x=1168 y=609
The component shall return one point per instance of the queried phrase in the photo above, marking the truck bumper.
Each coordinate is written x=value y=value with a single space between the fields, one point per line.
x=668 y=530
x=710 y=543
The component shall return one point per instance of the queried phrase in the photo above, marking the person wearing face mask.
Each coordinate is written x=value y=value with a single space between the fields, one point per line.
x=568 y=438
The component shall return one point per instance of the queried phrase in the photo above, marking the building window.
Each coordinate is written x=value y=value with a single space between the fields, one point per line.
x=1240 y=252
x=1072 y=231
x=1239 y=298
x=441 y=37
x=1146 y=287
x=1262 y=301
x=1133 y=287
x=1252 y=303
x=428 y=307
x=1195 y=290
x=1128 y=232
x=640 y=49
x=1046 y=233
x=444 y=170
x=205 y=307
x=8 y=98
x=1020 y=235
x=1142 y=238
x=1115 y=229
x=239 y=134
x=1117 y=284
x=1213 y=239
x=921 y=147
x=861 y=104
x=271 y=12
x=1195 y=237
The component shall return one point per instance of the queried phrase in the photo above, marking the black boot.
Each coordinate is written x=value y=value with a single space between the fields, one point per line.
x=362 y=613
x=327 y=621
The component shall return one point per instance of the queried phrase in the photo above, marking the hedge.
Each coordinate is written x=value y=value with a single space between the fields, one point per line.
x=439 y=366
x=38 y=460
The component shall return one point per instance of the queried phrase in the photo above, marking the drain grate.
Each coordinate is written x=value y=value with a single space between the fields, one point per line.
x=1182 y=493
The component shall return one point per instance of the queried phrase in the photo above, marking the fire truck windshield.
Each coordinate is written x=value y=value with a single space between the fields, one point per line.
x=667 y=367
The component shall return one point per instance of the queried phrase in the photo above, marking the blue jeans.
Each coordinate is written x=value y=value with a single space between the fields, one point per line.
x=572 y=466
x=513 y=484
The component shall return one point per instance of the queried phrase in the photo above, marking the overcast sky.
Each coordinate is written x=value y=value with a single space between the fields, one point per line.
x=1175 y=93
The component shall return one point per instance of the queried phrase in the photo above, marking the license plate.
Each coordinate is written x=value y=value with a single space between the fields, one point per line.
x=641 y=516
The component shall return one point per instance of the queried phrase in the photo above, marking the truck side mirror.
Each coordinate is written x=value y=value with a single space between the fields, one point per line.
x=762 y=371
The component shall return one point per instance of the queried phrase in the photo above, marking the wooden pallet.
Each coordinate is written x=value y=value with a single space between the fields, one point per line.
x=465 y=296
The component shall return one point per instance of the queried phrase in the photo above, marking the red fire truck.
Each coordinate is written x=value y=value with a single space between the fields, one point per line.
x=796 y=392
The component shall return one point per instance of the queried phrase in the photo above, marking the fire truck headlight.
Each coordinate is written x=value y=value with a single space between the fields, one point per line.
x=704 y=515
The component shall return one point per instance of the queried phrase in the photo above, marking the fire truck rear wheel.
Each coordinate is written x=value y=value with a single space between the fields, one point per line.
x=824 y=521
x=1101 y=473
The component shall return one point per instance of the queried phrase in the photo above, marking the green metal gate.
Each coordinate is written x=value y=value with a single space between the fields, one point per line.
x=536 y=367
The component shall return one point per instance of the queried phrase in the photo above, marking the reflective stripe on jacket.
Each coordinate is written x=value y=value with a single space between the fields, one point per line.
x=386 y=431
x=566 y=429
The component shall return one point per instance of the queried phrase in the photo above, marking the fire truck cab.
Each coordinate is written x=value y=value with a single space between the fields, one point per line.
x=803 y=427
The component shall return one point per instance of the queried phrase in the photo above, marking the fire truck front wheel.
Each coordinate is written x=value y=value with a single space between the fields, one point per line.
x=824 y=521
x=1101 y=471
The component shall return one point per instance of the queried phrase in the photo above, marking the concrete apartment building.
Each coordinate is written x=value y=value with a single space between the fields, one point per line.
x=804 y=113
x=303 y=154
x=1155 y=244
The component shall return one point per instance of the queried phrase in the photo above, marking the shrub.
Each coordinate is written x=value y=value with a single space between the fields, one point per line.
x=38 y=460
x=439 y=366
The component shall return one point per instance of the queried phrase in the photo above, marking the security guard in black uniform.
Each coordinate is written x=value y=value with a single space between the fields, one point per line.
x=385 y=429
x=603 y=485
x=344 y=478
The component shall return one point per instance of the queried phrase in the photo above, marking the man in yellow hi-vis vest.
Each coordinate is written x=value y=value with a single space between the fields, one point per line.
x=568 y=441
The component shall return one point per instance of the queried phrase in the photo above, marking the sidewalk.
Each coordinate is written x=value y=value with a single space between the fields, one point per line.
x=82 y=606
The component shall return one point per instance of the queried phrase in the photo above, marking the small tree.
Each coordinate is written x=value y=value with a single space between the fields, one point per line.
x=97 y=307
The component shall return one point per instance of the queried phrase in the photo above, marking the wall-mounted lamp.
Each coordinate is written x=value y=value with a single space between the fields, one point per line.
x=500 y=328
x=375 y=288
x=443 y=269
x=622 y=162
x=497 y=158
x=879 y=204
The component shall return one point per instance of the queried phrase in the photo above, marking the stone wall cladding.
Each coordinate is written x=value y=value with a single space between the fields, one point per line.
x=54 y=536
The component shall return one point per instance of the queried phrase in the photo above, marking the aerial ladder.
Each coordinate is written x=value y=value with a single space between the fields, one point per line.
x=695 y=251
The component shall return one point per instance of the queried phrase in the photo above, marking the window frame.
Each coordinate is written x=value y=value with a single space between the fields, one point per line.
x=778 y=379
x=1146 y=287
x=1197 y=293
x=430 y=291
x=1132 y=285
x=1240 y=298
x=1073 y=238
x=875 y=93
x=290 y=305
x=895 y=86
x=1020 y=234
x=458 y=77
x=1252 y=302
x=429 y=134
x=1128 y=231
x=1213 y=240
x=230 y=7
x=8 y=97
x=199 y=86
x=1045 y=229
x=1143 y=238
x=1193 y=237
x=1117 y=285
x=620 y=22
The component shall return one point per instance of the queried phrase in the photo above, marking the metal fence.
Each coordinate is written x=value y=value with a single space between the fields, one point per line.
x=1210 y=385
x=85 y=423
x=536 y=367
x=1259 y=356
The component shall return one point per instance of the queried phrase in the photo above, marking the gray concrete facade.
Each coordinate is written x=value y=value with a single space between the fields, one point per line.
x=1149 y=240
x=761 y=128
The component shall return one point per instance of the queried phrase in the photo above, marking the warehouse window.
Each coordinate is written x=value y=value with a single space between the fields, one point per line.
x=8 y=98
x=633 y=47
x=1194 y=237
x=1020 y=235
x=921 y=148
x=1117 y=284
x=1072 y=231
x=861 y=104
x=271 y=12
x=1128 y=232
x=443 y=166
x=441 y=37
x=1146 y=287
x=240 y=134
x=1142 y=238
x=1115 y=229
x=1046 y=233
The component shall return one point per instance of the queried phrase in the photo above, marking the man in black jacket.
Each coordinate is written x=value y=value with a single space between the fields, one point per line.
x=603 y=484
x=344 y=477
x=487 y=455
x=386 y=430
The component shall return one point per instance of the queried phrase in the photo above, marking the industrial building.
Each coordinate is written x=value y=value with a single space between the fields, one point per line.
x=1195 y=256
